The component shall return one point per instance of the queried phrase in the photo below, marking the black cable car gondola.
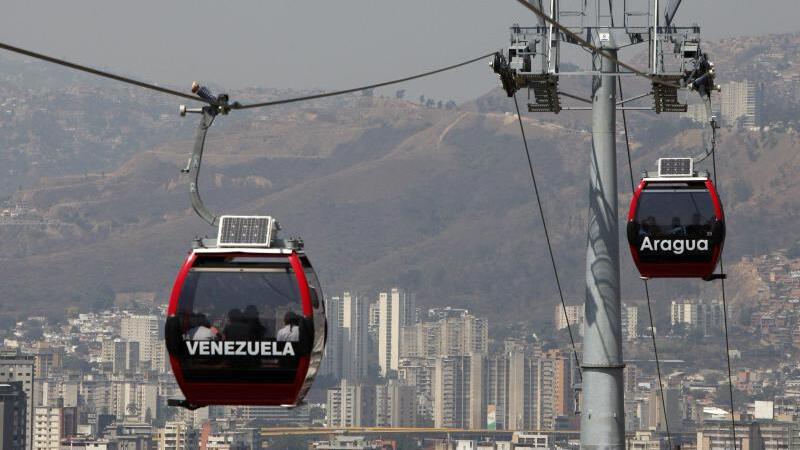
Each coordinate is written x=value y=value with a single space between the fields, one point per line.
x=676 y=226
x=246 y=321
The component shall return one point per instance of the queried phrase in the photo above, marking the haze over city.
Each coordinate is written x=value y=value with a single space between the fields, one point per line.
x=403 y=267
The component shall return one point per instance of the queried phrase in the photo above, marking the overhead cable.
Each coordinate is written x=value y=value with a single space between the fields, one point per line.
x=164 y=90
x=646 y=286
x=725 y=319
x=547 y=238
x=362 y=88
x=97 y=72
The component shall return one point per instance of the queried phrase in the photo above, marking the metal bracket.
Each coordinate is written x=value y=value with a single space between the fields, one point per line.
x=545 y=93
x=182 y=403
x=602 y=366
x=716 y=276
x=665 y=96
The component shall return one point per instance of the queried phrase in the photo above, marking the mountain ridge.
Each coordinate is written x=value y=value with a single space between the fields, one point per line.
x=385 y=193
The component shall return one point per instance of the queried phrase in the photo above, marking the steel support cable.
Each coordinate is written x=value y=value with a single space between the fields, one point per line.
x=589 y=46
x=646 y=286
x=164 y=90
x=547 y=238
x=98 y=72
x=362 y=88
x=725 y=318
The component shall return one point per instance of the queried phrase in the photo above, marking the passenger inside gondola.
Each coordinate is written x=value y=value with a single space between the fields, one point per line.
x=249 y=307
x=697 y=229
x=648 y=227
x=662 y=213
x=291 y=329
x=201 y=329
x=676 y=229
x=256 y=331
x=236 y=329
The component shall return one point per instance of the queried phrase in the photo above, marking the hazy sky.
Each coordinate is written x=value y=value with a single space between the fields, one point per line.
x=315 y=44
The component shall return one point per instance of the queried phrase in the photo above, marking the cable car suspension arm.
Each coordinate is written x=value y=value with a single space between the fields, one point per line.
x=216 y=105
x=193 y=167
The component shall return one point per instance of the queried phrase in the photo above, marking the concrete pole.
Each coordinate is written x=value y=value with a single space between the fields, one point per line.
x=602 y=417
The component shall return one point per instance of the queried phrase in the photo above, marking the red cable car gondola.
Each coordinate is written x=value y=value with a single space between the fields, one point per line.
x=246 y=321
x=676 y=226
x=246 y=324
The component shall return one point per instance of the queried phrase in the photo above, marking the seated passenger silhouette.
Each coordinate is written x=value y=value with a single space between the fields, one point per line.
x=676 y=229
x=695 y=229
x=236 y=329
x=267 y=320
x=291 y=328
x=201 y=329
x=648 y=227
x=256 y=330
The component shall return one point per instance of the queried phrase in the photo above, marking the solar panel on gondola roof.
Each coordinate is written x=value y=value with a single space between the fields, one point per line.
x=675 y=167
x=245 y=231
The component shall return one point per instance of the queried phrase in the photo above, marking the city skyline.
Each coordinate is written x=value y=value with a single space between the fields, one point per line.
x=451 y=373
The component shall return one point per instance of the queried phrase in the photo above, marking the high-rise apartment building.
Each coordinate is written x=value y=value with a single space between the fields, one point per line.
x=463 y=334
x=395 y=405
x=13 y=425
x=630 y=322
x=355 y=336
x=347 y=350
x=277 y=415
x=418 y=372
x=695 y=314
x=740 y=103
x=458 y=392
x=176 y=436
x=52 y=424
x=393 y=313
x=374 y=318
x=554 y=388
x=16 y=367
x=48 y=360
x=455 y=334
x=351 y=405
x=522 y=370
x=717 y=435
x=574 y=314
x=120 y=355
x=511 y=386
x=420 y=340
x=332 y=358
x=144 y=330
x=136 y=400
x=656 y=412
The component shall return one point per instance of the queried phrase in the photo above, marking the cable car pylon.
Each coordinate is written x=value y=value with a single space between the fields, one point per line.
x=532 y=63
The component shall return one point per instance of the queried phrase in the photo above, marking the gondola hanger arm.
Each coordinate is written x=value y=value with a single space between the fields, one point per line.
x=216 y=105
